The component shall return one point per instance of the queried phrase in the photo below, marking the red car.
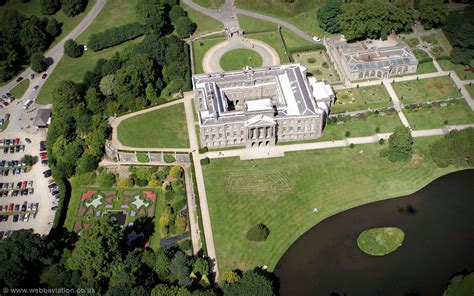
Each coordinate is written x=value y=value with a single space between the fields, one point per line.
x=10 y=207
x=43 y=156
x=24 y=184
x=16 y=141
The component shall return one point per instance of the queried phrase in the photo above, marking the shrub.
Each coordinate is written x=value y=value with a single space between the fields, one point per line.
x=176 y=172
x=454 y=149
x=73 y=7
x=50 y=7
x=106 y=179
x=377 y=129
x=400 y=144
x=143 y=157
x=258 y=233
x=348 y=134
x=203 y=150
x=168 y=158
x=181 y=223
x=325 y=65
x=351 y=146
x=115 y=36
x=317 y=72
x=381 y=141
x=311 y=60
x=29 y=160
x=125 y=182
x=185 y=245
x=72 y=49
x=141 y=182
x=205 y=161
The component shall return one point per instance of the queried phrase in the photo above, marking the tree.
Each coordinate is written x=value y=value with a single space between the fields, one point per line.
x=176 y=12
x=107 y=85
x=327 y=16
x=148 y=8
x=33 y=37
x=400 y=144
x=94 y=101
x=50 y=7
x=185 y=26
x=433 y=16
x=230 y=277
x=462 y=284
x=251 y=283
x=9 y=60
x=180 y=268
x=106 y=179
x=258 y=233
x=72 y=49
x=97 y=250
x=73 y=7
x=38 y=62
x=29 y=160
x=201 y=266
x=87 y=163
x=454 y=149
x=53 y=28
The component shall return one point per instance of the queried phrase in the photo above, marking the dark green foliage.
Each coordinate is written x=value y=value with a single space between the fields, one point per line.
x=33 y=37
x=106 y=179
x=251 y=283
x=87 y=163
x=38 y=62
x=433 y=16
x=29 y=160
x=352 y=146
x=400 y=145
x=180 y=267
x=141 y=182
x=184 y=26
x=73 y=7
x=146 y=9
x=53 y=28
x=176 y=12
x=168 y=158
x=327 y=16
x=72 y=49
x=381 y=141
x=348 y=134
x=456 y=149
x=203 y=149
x=115 y=36
x=258 y=233
x=205 y=161
x=458 y=30
x=50 y=7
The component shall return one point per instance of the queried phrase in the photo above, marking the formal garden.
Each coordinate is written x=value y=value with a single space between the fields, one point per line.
x=362 y=98
x=145 y=199
x=318 y=64
x=423 y=90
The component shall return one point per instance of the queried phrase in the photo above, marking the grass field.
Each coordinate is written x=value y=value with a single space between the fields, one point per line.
x=470 y=89
x=380 y=241
x=20 y=89
x=272 y=39
x=459 y=69
x=250 y=25
x=200 y=48
x=362 y=98
x=115 y=13
x=156 y=129
x=210 y=3
x=292 y=40
x=33 y=8
x=204 y=23
x=426 y=67
x=282 y=193
x=435 y=117
x=318 y=64
x=237 y=59
x=423 y=90
x=300 y=13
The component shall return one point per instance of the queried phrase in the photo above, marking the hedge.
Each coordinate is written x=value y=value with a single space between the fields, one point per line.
x=115 y=36
x=306 y=48
x=205 y=161
x=443 y=58
x=424 y=60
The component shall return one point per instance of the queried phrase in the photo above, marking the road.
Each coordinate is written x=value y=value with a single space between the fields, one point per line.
x=54 y=54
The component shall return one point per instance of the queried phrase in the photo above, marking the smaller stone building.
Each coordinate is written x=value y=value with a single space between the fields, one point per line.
x=370 y=58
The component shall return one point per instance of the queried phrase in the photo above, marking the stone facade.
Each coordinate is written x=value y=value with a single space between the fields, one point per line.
x=371 y=58
x=260 y=107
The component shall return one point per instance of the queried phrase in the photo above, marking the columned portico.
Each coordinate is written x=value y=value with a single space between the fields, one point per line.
x=261 y=131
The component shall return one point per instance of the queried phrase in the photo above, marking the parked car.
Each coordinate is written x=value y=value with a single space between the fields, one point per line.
x=47 y=173
x=54 y=208
x=15 y=218
x=19 y=79
x=28 y=140
x=35 y=87
x=44 y=75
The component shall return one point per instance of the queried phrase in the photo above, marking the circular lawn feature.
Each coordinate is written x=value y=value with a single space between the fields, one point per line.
x=237 y=59
x=380 y=241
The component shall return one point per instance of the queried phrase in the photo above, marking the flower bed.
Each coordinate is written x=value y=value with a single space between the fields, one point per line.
x=87 y=195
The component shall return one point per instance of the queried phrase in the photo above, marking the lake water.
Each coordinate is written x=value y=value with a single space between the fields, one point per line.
x=438 y=222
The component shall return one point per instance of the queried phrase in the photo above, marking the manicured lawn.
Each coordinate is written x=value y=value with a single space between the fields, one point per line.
x=420 y=53
x=200 y=48
x=115 y=13
x=423 y=90
x=362 y=98
x=156 y=129
x=20 y=89
x=300 y=13
x=435 y=117
x=470 y=89
x=294 y=41
x=426 y=67
x=318 y=64
x=272 y=39
x=33 y=8
x=210 y=3
x=282 y=193
x=204 y=23
x=380 y=241
x=237 y=59
x=250 y=25
x=459 y=69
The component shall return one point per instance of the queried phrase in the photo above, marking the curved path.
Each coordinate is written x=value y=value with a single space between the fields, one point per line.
x=54 y=54
x=210 y=62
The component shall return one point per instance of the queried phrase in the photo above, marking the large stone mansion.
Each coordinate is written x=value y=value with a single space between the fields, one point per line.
x=258 y=107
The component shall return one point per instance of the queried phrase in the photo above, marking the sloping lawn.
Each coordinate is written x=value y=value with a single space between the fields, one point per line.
x=200 y=47
x=251 y=25
x=282 y=193
x=163 y=128
x=272 y=39
x=204 y=23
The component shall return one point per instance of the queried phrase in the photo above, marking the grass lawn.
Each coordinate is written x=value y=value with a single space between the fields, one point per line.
x=204 y=23
x=470 y=89
x=380 y=241
x=459 y=69
x=200 y=48
x=250 y=25
x=115 y=13
x=444 y=41
x=4 y=125
x=300 y=13
x=282 y=193
x=237 y=59
x=33 y=8
x=429 y=89
x=426 y=67
x=20 y=89
x=156 y=129
x=362 y=98
x=435 y=117
x=272 y=39
x=210 y=3
x=318 y=64
x=292 y=40
x=420 y=53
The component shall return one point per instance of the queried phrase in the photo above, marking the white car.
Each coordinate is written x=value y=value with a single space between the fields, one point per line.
x=316 y=38
x=26 y=217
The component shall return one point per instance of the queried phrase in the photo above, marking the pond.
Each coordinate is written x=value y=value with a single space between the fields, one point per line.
x=438 y=222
